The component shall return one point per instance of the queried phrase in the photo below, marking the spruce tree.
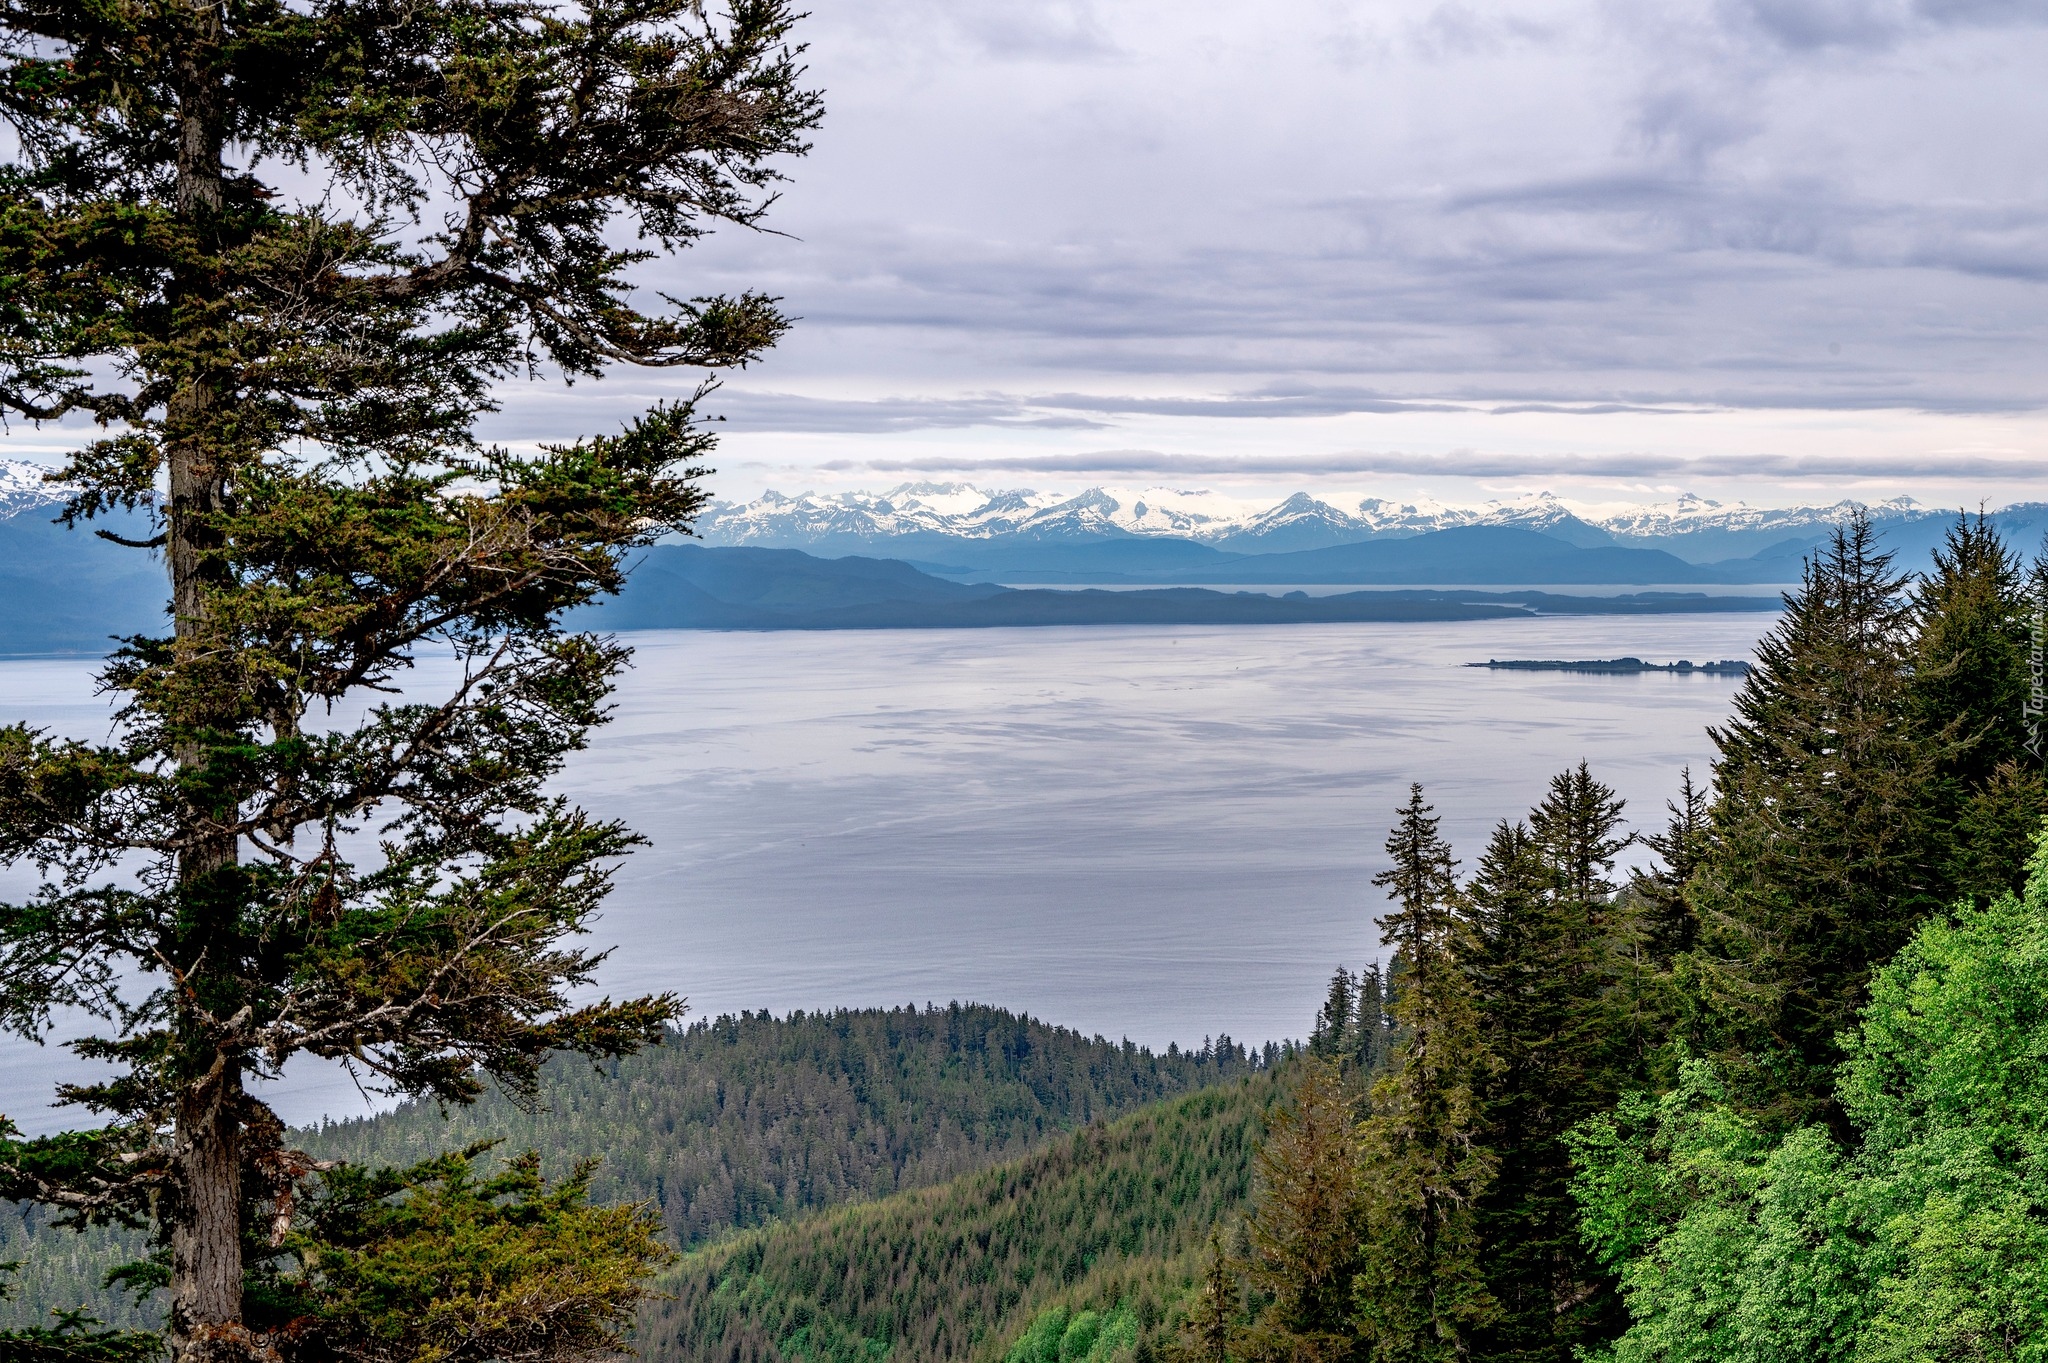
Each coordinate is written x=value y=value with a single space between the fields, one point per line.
x=1669 y=925
x=1971 y=685
x=1826 y=846
x=1211 y=1327
x=1420 y=1291
x=281 y=253
x=1335 y=1033
x=1554 y=972
x=1377 y=1035
x=1306 y=1226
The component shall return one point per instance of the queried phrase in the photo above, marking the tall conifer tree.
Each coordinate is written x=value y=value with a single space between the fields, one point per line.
x=1306 y=1227
x=1670 y=927
x=1211 y=1327
x=1336 y=1032
x=1971 y=685
x=281 y=253
x=1421 y=1292
x=1826 y=847
x=1550 y=974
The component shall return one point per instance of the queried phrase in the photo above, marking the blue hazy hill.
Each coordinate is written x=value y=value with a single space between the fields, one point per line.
x=690 y=586
x=1491 y=554
x=65 y=591
x=68 y=591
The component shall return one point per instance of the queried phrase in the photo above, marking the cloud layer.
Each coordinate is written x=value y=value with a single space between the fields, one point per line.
x=1834 y=204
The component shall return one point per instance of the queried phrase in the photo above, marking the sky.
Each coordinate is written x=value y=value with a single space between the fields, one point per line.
x=1775 y=250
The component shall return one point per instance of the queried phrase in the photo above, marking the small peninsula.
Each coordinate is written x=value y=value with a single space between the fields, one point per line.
x=1726 y=667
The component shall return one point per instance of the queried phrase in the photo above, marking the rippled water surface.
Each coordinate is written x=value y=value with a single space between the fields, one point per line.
x=1158 y=833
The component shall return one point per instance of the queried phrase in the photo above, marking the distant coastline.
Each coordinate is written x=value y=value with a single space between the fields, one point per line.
x=1726 y=667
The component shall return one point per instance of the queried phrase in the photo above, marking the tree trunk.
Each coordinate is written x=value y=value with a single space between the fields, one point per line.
x=206 y=1230
x=206 y=1209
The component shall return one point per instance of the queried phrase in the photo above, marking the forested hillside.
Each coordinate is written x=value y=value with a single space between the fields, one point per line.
x=751 y=1118
x=735 y=1123
x=1116 y=1213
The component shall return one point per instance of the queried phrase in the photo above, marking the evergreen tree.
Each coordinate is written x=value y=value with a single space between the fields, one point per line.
x=1826 y=849
x=1971 y=684
x=1923 y=1237
x=1335 y=1032
x=1420 y=1290
x=1670 y=927
x=1306 y=1226
x=1212 y=1323
x=1378 y=1038
x=73 y=1337
x=1556 y=975
x=235 y=877
x=442 y=1261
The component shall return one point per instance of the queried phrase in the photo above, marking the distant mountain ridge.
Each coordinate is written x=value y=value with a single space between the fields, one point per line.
x=1694 y=528
x=1697 y=529
x=690 y=586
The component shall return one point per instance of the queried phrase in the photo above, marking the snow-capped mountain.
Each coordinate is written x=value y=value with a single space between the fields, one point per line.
x=22 y=487
x=1302 y=521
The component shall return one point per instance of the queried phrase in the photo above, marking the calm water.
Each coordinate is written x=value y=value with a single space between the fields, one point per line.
x=1153 y=833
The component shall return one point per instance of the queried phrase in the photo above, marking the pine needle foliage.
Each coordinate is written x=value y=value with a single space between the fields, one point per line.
x=1558 y=981
x=447 y=1263
x=1214 y=1320
x=1669 y=925
x=1971 y=681
x=73 y=1336
x=1307 y=1225
x=1826 y=848
x=281 y=254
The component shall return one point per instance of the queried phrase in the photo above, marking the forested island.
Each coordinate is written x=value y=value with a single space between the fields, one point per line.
x=1726 y=667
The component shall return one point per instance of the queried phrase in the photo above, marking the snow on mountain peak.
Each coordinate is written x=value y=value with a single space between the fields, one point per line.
x=1302 y=519
x=24 y=487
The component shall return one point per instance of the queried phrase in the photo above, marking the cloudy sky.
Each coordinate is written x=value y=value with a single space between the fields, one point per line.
x=1784 y=250
x=1773 y=249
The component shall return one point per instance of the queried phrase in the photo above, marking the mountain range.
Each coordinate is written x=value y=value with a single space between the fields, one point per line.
x=1693 y=528
x=951 y=556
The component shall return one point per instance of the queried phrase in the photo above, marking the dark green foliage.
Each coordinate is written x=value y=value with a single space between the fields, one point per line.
x=442 y=1262
x=1971 y=685
x=733 y=1123
x=72 y=1337
x=1556 y=979
x=1215 y=1311
x=751 y=1119
x=1355 y=1026
x=285 y=358
x=1668 y=924
x=1115 y=1213
x=1337 y=1021
x=1419 y=1290
x=1826 y=848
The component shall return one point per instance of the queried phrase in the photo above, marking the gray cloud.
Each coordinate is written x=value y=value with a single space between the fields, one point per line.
x=1069 y=216
x=770 y=411
x=1814 y=24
